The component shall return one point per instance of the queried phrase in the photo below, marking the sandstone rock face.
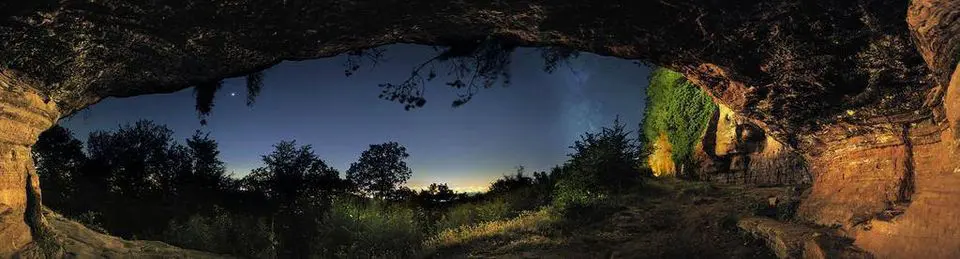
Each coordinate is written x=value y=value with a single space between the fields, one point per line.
x=928 y=226
x=934 y=24
x=866 y=98
x=23 y=115
x=907 y=168
x=735 y=151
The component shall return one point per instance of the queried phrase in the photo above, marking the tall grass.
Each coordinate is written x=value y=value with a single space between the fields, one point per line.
x=473 y=213
x=526 y=222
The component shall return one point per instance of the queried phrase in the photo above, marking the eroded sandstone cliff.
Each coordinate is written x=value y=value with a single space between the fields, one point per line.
x=23 y=115
x=865 y=90
x=733 y=150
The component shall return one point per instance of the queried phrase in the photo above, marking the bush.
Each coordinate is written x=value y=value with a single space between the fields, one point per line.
x=224 y=232
x=357 y=229
x=475 y=213
x=603 y=161
x=509 y=183
x=575 y=201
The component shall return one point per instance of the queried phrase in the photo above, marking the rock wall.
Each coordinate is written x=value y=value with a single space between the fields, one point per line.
x=895 y=193
x=894 y=188
x=735 y=151
x=23 y=116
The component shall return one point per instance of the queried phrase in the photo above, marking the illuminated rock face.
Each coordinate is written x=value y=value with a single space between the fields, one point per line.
x=927 y=184
x=23 y=115
x=870 y=101
x=735 y=151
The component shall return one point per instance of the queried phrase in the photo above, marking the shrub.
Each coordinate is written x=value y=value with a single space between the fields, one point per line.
x=522 y=192
x=475 y=213
x=509 y=183
x=603 y=161
x=357 y=229
x=575 y=201
x=224 y=232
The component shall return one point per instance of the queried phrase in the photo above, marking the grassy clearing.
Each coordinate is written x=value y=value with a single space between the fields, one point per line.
x=663 y=219
x=527 y=225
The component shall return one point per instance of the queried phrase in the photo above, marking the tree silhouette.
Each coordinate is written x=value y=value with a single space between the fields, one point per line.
x=511 y=183
x=436 y=195
x=205 y=181
x=291 y=171
x=132 y=178
x=297 y=186
x=59 y=157
x=208 y=169
x=380 y=170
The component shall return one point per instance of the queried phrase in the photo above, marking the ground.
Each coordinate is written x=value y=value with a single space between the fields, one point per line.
x=662 y=219
x=70 y=239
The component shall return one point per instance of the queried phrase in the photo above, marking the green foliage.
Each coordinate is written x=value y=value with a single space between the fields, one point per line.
x=474 y=213
x=508 y=197
x=224 y=232
x=680 y=109
x=602 y=161
x=524 y=224
x=573 y=201
x=372 y=229
x=380 y=169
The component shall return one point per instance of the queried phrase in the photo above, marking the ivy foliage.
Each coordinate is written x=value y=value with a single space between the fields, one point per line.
x=678 y=108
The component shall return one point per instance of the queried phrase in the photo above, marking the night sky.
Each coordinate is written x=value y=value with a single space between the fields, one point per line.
x=531 y=123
